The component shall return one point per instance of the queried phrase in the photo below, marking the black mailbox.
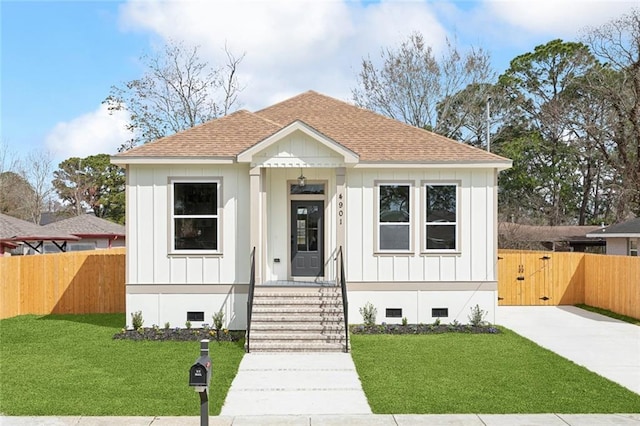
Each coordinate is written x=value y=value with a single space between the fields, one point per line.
x=200 y=373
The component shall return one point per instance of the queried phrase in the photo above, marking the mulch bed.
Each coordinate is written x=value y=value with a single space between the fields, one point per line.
x=180 y=334
x=423 y=329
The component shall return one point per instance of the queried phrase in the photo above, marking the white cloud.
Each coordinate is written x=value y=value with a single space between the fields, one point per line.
x=559 y=18
x=291 y=46
x=97 y=132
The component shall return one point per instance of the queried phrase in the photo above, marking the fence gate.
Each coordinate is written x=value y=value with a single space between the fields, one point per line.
x=525 y=279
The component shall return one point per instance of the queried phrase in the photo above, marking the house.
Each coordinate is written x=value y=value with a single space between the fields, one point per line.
x=555 y=238
x=622 y=238
x=413 y=213
x=94 y=232
x=16 y=233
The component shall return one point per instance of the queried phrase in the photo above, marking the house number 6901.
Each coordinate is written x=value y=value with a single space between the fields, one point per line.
x=340 y=209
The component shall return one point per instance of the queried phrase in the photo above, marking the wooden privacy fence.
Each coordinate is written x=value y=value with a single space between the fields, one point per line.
x=94 y=281
x=560 y=278
x=64 y=283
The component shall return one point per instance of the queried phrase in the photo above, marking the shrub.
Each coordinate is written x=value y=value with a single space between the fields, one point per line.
x=136 y=320
x=476 y=318
x=188 y=325
x=404 y=321
x=218 y=319
x=368 y=312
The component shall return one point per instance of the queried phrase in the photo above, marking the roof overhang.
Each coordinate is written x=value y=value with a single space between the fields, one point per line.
x=49 y=237
x=349 y=156
x=123 y=161
x=499 y=165
x=615 y=235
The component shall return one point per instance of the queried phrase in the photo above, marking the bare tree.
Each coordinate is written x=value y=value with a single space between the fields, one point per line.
x=178 y=91
x=414 y=86
x=37 y=171
x=25 y=188
x=617 y=44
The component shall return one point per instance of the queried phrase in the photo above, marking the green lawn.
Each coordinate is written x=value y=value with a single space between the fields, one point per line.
x=70 y=365
x=479 y=373
x=609 y=314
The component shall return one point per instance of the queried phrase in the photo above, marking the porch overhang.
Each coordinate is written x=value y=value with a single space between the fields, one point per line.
x=258 y=155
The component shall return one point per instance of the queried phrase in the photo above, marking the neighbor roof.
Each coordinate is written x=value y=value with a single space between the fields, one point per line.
x=521 y=232
x=630 y=228
x=88 y=225
x=373 y=137
x=14 y=229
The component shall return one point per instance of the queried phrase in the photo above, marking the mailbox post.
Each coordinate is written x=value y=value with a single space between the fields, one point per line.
x=200 y=377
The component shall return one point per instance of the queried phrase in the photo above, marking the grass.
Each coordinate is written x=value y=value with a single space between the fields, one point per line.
x=70 y=365
x=479 y=373
x=609 y=314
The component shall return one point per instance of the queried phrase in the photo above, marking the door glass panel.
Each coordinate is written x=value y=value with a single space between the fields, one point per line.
x=301 y=228
x=310 y=188
x=307 y=228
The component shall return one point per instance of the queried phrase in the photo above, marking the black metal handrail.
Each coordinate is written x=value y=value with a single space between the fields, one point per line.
x=252 y=286
x=345 y=301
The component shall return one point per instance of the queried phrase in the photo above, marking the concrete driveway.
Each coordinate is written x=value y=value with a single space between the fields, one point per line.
x=606 y=346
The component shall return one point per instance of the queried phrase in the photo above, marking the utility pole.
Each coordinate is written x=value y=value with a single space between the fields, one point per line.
x=488 y=125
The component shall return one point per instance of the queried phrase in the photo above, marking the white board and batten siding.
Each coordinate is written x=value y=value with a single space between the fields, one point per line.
x=418 y=281
x=158 y=281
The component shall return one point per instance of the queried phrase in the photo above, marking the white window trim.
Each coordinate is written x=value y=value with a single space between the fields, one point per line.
x=376 y=210
x=633 y=251
x=171 y=216
x=423 y=216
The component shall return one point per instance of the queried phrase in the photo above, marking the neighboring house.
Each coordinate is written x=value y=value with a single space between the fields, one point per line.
x=94 y=232
x=622 y=238
x=414 y=212
x=555 y=238
x=16 y=233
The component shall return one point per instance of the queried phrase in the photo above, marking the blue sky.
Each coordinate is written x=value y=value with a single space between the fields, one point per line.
x=59 y=58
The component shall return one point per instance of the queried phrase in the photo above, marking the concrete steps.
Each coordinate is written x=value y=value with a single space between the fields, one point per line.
x=286 y=319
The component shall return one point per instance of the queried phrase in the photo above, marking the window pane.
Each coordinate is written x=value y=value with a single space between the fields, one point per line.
x=441 y=237
x=441 y=203
x=196 y=234
x=195 y=198
x=310 y=188
x=394 y=237
x=394 y=203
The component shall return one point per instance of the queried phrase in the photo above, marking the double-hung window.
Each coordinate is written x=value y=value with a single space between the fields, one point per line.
x=195 y=219
x=633 y=246
x=441 y=217
x=394 y=217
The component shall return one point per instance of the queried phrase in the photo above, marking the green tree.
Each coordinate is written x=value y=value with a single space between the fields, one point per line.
x=92 y=183
x=539 y=86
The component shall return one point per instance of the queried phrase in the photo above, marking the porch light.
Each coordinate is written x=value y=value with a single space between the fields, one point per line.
x=301 y=179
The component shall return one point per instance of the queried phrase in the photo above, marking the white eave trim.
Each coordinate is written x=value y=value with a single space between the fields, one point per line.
x=436 y=165
x=122 y=161
x=350 y=157
x=623 y=235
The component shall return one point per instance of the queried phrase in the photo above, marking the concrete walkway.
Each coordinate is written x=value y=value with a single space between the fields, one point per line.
x=296 y=383
x=606 y=346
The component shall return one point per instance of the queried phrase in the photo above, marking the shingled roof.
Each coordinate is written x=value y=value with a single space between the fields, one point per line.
x=13 y=229
x=373 y=137
x=630 y=228
x=87 y=225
